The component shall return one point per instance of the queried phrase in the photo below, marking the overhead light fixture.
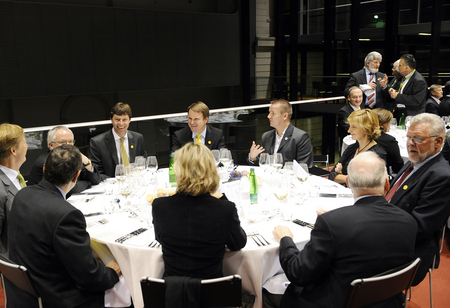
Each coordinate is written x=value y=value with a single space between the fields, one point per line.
x=375 y=16
x=422 y=33
x=365 y=40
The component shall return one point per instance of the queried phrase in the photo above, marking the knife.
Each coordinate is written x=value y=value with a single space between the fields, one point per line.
x=93 y=214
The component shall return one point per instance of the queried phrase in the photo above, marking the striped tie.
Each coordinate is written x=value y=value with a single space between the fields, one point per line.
x=371 y=98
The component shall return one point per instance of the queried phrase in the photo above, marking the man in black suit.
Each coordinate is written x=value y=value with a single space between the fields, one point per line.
x=421 y=187
x=351 y=242
x=13 y=151
x=413 y=88
x=56 y=137
x=198 y=131
x=286 y=139
x=118 y=145
x=48 y=236
x=354 y=98
x=432 y=104
x=368 y=79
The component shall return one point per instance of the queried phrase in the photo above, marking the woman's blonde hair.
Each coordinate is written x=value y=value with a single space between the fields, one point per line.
x=384 y=115
x=368 y=120
x=195 y=170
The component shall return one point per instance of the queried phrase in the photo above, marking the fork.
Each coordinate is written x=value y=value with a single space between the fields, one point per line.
x=94 y=223
x=258 y=239
x=154 y=244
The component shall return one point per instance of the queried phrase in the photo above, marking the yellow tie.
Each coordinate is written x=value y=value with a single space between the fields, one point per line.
x=21 y=180
x=123 y=153
x=198 y=141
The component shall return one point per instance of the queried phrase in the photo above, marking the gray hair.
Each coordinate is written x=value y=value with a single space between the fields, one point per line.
x=437 y=126
x=373 y=55
x=367 y=171
x=396 y=63
x=51 y=133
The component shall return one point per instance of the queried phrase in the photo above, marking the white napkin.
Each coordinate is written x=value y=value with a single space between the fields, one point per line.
x=367 y=89
x=299 y=171
x=277 y=284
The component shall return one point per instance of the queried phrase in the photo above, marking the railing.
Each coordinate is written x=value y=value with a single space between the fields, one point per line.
x=240 y=125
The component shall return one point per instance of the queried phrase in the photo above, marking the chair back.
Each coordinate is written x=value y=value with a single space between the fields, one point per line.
x=219 y=292
x=367 y=291
x=17 y=275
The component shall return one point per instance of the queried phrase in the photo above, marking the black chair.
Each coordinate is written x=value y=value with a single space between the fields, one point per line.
x=319 y=171
x=434 y=261
x=219 y=292
x=18 y=276
x=368 y=291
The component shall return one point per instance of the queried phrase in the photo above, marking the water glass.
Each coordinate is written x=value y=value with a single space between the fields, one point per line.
x=216 y=154
x=152 y=164
x=277 y=162
x=264 y=161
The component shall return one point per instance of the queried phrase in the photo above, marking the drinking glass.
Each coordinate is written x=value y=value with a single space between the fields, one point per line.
x=216 y=154
x=120 y=173
x=277 y=161
x=394 y=122
x=306 y=174
x=225 y=158
x=264 y=161
x=125 y=190
x=280 y=188
x=140 y=163
x=152 y=164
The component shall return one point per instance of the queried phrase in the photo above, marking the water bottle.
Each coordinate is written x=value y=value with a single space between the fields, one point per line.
x=401 y=122
x=253 y=187
x=244 y=192
x=172 y=180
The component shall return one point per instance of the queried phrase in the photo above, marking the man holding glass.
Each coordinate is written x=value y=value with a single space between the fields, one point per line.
x=290 y=141
x=198 y=131
x=56 y=137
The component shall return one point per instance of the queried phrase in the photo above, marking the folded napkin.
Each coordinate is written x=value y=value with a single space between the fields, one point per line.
x=367 y=89
x=299 y=171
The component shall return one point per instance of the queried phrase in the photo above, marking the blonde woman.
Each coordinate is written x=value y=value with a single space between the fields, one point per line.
x=394 y=160
x=194 y=225
x=364 y=128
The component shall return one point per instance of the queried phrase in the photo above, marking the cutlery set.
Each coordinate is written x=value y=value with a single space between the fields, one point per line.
x=259 y=239
x=303 y=223
x=98 y=222
x=130 y=235
x=154 y=244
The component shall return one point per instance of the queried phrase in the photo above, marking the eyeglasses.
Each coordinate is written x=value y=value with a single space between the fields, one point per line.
x=71 y=142
x=418 y=139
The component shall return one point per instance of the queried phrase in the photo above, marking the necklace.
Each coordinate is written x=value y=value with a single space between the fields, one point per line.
x=359 y=151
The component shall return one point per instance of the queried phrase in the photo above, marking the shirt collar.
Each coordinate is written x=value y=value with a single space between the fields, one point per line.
x=63 y=193
x=117 y=137
x=417 y=166
x=203 y=133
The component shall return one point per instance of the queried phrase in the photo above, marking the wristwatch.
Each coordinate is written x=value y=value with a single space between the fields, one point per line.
x=89 y=162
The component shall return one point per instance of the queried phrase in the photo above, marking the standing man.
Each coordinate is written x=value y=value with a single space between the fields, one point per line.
x=286 y=139
x=412 y=93
x=394 y=84
x=198 y=131
x=48 y=236
x=13 y=150
x=354 y=98
x=56 y=137
x=421 y=187
x=432 y=104
x=351 y=242
x=368 y=79
x=118 y=145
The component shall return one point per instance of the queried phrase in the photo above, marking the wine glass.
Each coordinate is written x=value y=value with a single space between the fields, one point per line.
x=216 y=154
x=152 y=164
x=305 y=174
x=277 y=161
x=140 y=163
x=225 y=158
x=125 y=190
x=120 y=172
x=264 y=161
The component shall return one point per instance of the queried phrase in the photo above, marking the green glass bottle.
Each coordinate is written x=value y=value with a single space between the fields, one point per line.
x=172 y=180
x=401 y=122
x=253 y=187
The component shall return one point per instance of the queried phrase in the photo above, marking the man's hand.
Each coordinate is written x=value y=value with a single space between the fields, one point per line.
x=86 y=160
x=255 y=150
x=373 y=85
x=383 y=82
x=393 y=93
x=113 y=264
x=338 y=168
x=281 y=231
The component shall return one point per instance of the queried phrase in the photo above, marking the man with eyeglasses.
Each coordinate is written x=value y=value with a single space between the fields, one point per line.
x=56 y=137
x=421 y=187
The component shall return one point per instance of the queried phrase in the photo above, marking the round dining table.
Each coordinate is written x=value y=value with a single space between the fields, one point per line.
x=127 y=235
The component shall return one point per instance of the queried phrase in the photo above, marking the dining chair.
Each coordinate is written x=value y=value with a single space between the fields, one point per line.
x=319 y=171
x=218 y=292
x=18 y=276
x=368 y=291
x=434 y=261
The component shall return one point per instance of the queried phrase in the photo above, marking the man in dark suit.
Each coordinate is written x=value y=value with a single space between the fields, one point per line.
x=118 y=145
x=198 y=131
x=48 y=236
x=412 y=93
x=354 y=98
x=368 y=79
x=351 y=242
x=13 y=152
x=286 y=139
x=56 y=137
x=421 y=187
x=432 y=104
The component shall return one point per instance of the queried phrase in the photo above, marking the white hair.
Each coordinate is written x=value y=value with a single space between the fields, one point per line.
x=367 y=171
x=373 y=55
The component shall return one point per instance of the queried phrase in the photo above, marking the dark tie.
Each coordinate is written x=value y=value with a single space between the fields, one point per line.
x=399 y=182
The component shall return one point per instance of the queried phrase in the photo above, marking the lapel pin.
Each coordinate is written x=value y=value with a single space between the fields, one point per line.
x=405 y=187
x=132 y=146
x=209 y=142
x=286 y=138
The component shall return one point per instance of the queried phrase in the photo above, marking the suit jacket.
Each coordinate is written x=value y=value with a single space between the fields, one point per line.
x=446 y=149
x=389 y=102
x=85 y=180
x=393 y=157
x=296 y=144
x=48 y=236
x=431 y=106
x=414 y=94
x=193 y=232
x=214 y=139
x=103 y=153
x=7 y=193
x=343 y=126
x=425 y=196
x=444 y=107
x=360 y=77
x=351 y=242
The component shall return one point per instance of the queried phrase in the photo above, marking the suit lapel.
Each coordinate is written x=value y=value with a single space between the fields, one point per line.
x=9 y=186
x=209 y=136
x=111 y=146
x=131 y=147
x=286 y=137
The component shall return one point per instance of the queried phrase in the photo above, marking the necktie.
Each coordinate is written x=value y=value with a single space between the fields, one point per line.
x=21 y=180
x=401 y=85
x=123 y=153
x=371 y=98
x=398 y=183
x=197 y=140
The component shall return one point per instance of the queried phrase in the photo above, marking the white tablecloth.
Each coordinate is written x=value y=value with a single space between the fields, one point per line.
x=254 y=263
